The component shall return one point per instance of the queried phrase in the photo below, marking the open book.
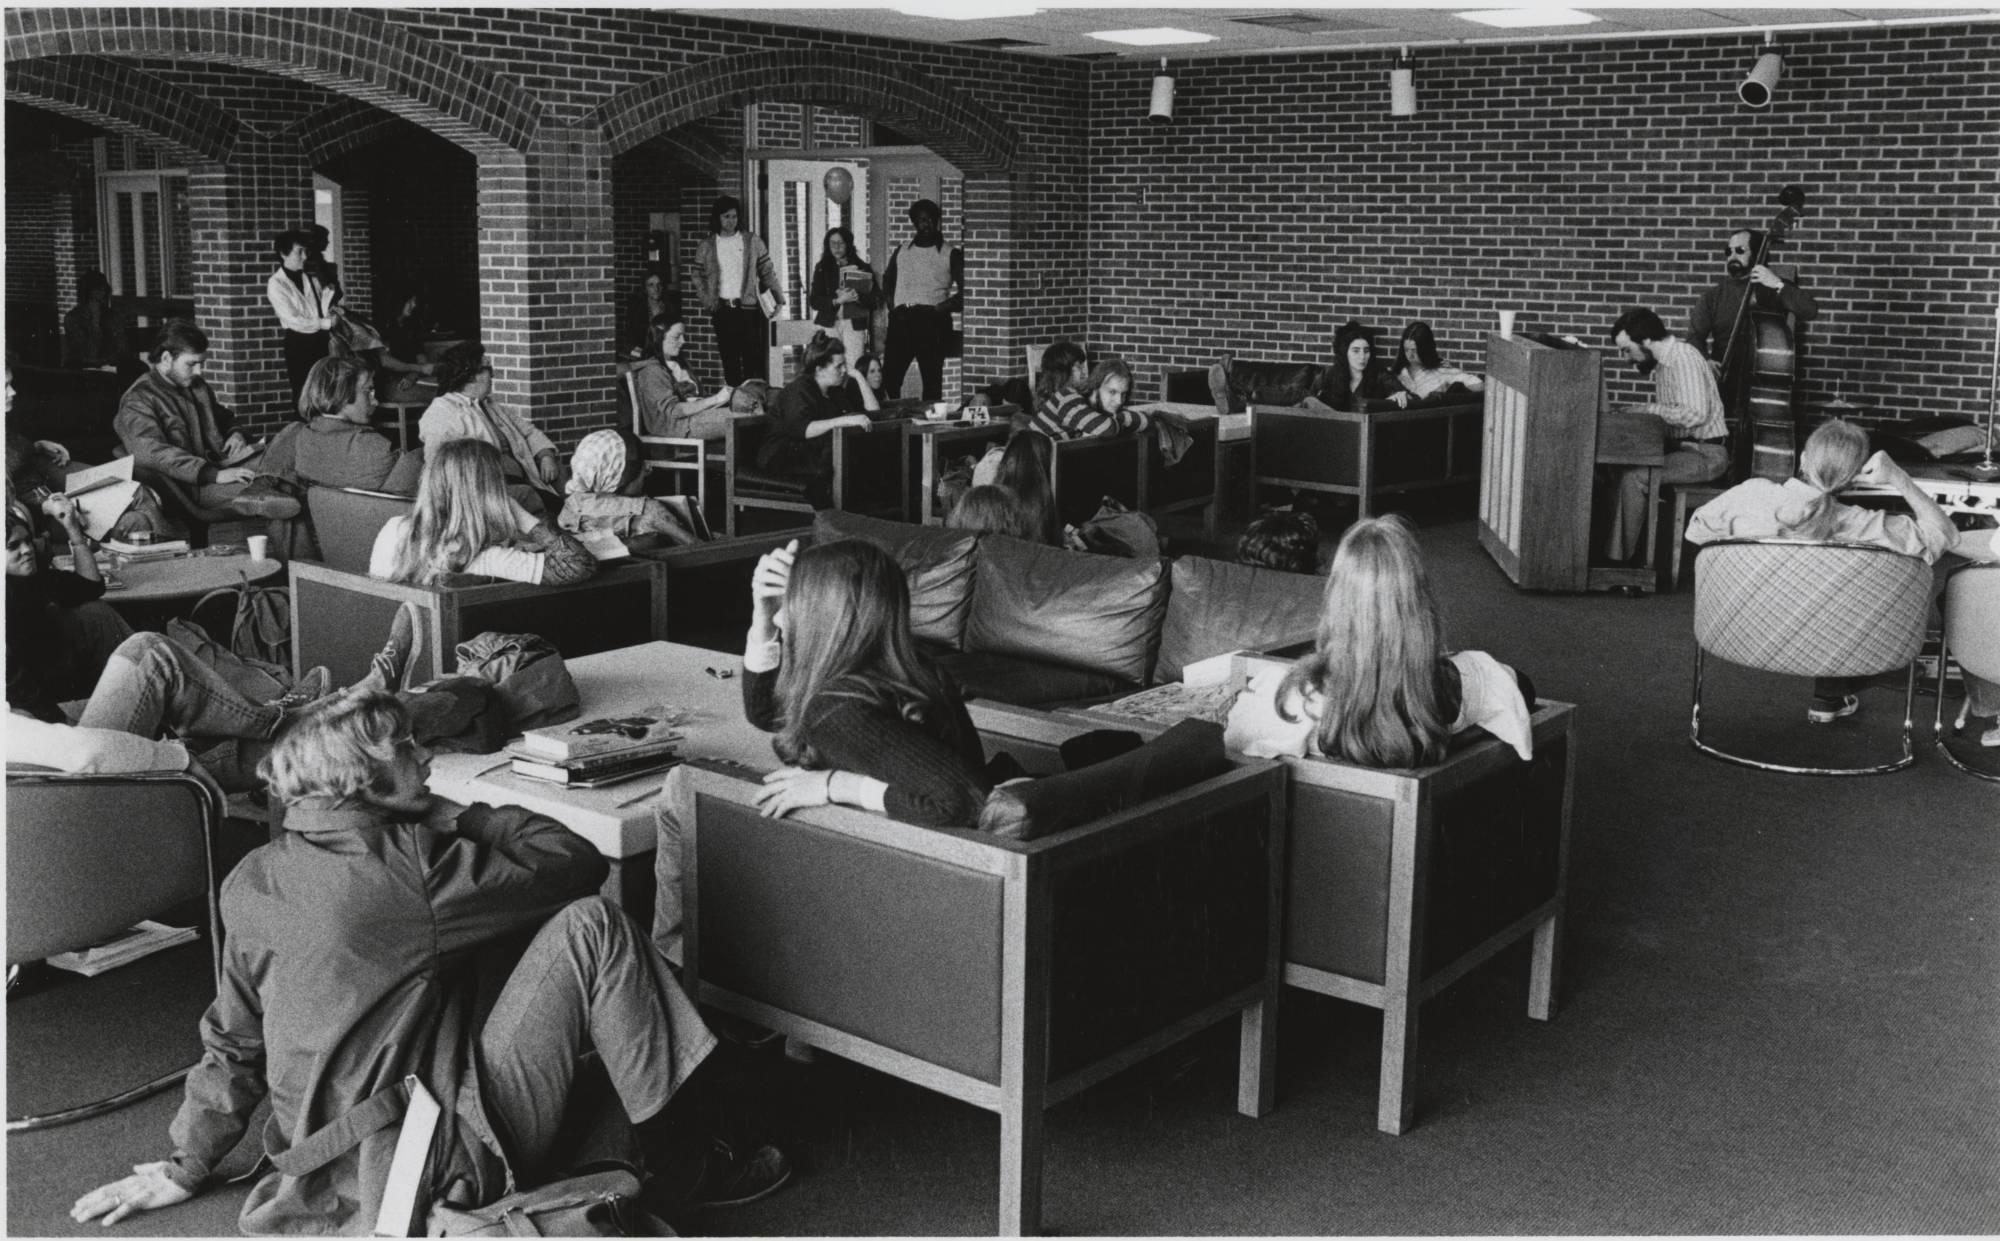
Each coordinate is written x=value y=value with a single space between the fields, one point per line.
x=102 y=494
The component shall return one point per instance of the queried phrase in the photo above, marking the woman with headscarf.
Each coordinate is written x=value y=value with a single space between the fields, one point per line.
x=606 y=475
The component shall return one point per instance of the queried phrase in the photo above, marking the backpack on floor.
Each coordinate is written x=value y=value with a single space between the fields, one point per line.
x=260 y=630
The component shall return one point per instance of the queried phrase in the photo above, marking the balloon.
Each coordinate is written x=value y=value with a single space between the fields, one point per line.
x=839 y=185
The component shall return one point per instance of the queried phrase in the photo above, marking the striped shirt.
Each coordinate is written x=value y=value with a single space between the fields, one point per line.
x=1685 y=395
x=1070 y=417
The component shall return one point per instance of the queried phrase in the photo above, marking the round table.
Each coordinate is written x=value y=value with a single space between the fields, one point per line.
x=184 y=577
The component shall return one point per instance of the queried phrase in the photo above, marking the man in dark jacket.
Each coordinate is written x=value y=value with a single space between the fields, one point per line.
x=357 y=946
x=175 y=429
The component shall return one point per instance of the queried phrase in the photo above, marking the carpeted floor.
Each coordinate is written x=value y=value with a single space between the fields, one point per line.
x=1780 y=1013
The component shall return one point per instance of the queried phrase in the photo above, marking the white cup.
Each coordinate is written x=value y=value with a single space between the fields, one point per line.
x=1506 y=323
x=940 y=410
x=260 y=547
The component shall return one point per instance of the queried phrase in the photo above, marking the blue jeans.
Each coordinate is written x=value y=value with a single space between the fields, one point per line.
x=588 y=981
x=152 y=684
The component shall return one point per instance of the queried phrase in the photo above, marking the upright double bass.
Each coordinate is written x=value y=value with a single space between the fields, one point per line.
x=1773 y=366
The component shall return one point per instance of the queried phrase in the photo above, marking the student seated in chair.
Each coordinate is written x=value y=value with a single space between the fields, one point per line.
x=380 y=936
x=808 y=409
x=1835 y=456
x=335 y=442
x=606 y=476
x=466 y=521
x=175 y=429
x=1379 y=688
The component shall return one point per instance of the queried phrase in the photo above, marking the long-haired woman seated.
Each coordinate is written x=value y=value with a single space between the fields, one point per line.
x=862 y=717
x=1380 y=688
x=1421 y=368
x=466 y=522
x=1355 y=374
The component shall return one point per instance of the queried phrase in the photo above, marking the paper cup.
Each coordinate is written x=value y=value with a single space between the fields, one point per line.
x=1506 y=323
x=260 y=546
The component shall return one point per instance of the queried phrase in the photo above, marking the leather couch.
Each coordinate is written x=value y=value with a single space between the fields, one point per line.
x=1020 y=623
x=1250 y=383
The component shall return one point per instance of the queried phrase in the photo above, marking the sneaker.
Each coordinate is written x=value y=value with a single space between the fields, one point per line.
x=308 y=689
x=732 y=1180
x=1991 y=738
x=394 y=659
x=1820 y=713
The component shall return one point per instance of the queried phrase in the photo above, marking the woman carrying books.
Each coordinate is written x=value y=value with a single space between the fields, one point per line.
x=843 y=291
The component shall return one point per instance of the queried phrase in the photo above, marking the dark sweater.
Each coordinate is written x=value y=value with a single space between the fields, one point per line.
x=44 y=666
x=934 y=768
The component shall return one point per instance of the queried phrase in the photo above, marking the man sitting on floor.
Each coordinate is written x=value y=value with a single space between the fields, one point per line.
x=358 y=944
x=171 y=423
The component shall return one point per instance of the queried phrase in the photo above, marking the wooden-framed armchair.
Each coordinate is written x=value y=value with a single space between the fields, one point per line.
x=870 y=466
x=340 y=619
x=1008 y=974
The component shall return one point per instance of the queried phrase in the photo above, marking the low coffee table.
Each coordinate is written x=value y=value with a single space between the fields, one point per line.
x=149 y=583
x=618 y=819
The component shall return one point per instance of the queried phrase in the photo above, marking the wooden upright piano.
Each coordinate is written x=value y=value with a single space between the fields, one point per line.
x=1547 y=431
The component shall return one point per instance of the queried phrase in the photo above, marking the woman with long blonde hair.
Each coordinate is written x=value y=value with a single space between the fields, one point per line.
x=1380 y=687
x=466 y=522
x=861 y=716
x=1807 y=508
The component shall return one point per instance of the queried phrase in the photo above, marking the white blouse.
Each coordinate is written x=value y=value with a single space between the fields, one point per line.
x=514 y=564
x=1490 y=698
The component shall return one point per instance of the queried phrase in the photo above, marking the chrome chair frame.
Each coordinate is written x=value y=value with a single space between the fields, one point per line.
x=676 y=446
x=1909 y=754
x=1944 y=664
x=213 y=811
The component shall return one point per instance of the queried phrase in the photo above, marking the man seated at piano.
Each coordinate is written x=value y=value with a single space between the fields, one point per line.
x=1686 y=399
x=1835 y=457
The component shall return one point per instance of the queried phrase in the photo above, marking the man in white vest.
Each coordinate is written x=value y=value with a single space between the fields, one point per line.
x=922 y=286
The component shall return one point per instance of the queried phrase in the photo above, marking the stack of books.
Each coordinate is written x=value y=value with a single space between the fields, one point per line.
x=142 y=940
x=138 y=553
x=605 y=750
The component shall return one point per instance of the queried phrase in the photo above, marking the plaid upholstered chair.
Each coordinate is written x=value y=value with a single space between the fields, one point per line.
x=1809 y=609
x=1972 y=637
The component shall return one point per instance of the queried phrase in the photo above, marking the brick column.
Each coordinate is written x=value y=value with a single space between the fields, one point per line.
x=545 y=281
x=235 y=209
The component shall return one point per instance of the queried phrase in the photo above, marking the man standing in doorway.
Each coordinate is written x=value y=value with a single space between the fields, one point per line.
x=922 y=286
x=733 y=268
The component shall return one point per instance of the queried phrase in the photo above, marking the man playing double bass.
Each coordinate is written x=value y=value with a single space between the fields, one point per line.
x=1714 y=314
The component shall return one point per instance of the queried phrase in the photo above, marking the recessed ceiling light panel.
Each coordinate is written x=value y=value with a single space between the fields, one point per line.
x=1523 y=18
x=1152 y=36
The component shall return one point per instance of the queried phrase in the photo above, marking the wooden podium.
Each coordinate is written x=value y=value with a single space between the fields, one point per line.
x=1544 y=439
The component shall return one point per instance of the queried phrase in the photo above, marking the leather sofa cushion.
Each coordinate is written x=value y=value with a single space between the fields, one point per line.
x=1186 y=754
x=1271 y=383
x=1216 y=606
x=1027 y=682
x=938 y=562
x=1100 y=613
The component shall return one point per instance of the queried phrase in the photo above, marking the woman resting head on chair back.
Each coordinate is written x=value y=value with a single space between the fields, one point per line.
x=861 y=715
x=1379 y=688
x=607 y=492
x=993 y=509
x=466 y=522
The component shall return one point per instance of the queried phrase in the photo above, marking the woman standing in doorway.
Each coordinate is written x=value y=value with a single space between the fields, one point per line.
x=732 y=267
x=837 y=305
x=304 y=305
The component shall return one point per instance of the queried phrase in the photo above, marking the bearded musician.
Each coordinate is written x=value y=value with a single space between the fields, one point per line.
x=1713 y=315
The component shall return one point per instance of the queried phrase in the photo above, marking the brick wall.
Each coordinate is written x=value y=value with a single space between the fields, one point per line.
x=1566 y=181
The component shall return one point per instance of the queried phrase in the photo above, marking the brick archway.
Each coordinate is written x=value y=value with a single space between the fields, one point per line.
x=348 y=51
x=944 y=119
x=128 y=101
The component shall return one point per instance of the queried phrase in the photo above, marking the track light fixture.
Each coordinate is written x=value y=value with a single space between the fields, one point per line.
x=1162 y=108
x=1403 y=86
x=1758 y=89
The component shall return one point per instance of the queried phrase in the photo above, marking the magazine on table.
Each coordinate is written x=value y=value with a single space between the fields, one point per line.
x=608 y=734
